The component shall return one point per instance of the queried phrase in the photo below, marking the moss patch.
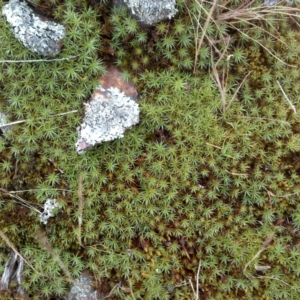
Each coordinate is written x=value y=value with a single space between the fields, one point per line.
x=203 y=192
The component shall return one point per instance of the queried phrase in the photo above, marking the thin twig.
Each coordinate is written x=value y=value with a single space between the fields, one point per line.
x=37 y=60
x=32 y=190
x=131 y=291
x=44 y=242
x=117 y=286
x=80 y=207
x=263 y=248
x=262 y=118
x=192 y=286
x=218 y=147
x=286 y=97
x=274 y=278
x=221 y=86
x=183 y=283
x=236 y=91
x=198 y=43
x=12 y=246
x=24 y=202
x=197 y=280
x=23 y=121
x=236 y=174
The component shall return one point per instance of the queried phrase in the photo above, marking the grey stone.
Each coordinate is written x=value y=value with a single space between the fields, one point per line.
x=109 y=113
x=149 y=12
x=49 y=207
x=13 y=270
x=280 y=2
x=38 y=35
x=82 y=289
x=3 y=121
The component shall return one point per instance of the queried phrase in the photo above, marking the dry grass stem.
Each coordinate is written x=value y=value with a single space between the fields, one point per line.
x=45 y=244
x=12 y=246
x=23 y=121
x=218 y=147
x=131 y=291
x=263 y=248
x=80 y=207
x=264 y=47
x=247 y=13
x=196 y=19
x=236 y=91
x=286 y=97
x=236 y=174
x=38 y=60
x=261 y=118
x=274 y=278
x=197 y=280
x=117 y=286
x=193 y=289
x=21 y=200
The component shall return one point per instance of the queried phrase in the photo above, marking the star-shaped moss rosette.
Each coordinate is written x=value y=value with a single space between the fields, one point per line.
x=111 y=110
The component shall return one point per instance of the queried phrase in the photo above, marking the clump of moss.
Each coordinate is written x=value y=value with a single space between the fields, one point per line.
x=168 y=209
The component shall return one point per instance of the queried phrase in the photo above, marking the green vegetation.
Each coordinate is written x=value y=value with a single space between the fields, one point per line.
x=201 y=198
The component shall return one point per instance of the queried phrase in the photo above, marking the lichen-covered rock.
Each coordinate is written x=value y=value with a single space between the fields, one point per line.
x=109 y=113
x=13 y=271
x=35 y=32
x=280 y=2
x=82 y=289
x=3 y=121
x=49 y=207
x=149 y=12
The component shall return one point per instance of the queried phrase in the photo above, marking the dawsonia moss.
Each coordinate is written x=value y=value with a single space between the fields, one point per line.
x=201 y=198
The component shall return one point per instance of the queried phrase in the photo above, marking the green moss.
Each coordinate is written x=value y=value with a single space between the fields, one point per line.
x=189 y=186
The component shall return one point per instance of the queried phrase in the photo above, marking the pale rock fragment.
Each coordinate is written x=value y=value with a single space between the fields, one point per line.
x=35 y=32
x=149 y=12
x=111 y=110
x=82 y=289
x=13 y=271
x=3 y=121
x=49 y=207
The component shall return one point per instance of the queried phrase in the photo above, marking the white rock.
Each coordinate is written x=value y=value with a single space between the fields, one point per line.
x=150 y=12
x=109 y=113
x=49 y=206
x=3 y=121
x=42 y=37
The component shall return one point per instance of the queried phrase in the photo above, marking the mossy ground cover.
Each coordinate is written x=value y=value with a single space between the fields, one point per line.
x=200 y=200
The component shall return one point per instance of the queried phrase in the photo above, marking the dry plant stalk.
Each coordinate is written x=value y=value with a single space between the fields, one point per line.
x=286 y=97
x=246 y=14
x=12 y=246
x=80 y=207
x=197 y=26
x=131 y=291
x=265 y=246
x=196 y=292
x=23 y=121
x=21 y=200
x=242 y=14
x=222 y=84
x=37 y=60
x=44 y=242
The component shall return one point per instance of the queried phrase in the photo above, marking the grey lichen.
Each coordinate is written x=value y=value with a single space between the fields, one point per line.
x=49 y=207
x=3 y=121
x=150 y=12
x=13 y=270
x=39 y=36
x=82 y=289
x=107 y=116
